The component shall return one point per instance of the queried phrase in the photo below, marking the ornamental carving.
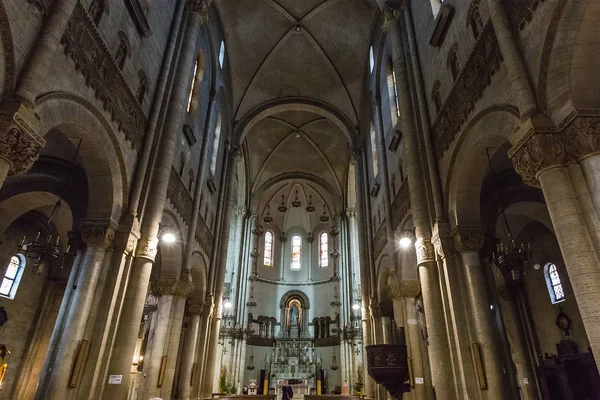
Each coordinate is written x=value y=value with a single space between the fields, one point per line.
x=147 y=248
x=84 y=45
x=172 y=287
x=100 y=232
x=390 y=15
x=476 y=75
x=204 y=237
x=380 y=241
x=539 y=151
x=467 y=239
x=20 y=144
x=404 y=289
x=425 y=251
x=520 y=12
x=401 y=205
x=180 y=197
x=43 y=6
x=443 y=245
x=196 y=307
x=201 y=8
x=582 y=136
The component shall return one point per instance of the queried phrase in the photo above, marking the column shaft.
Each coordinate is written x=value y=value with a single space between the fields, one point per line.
x=422 y=391
x=187 y=361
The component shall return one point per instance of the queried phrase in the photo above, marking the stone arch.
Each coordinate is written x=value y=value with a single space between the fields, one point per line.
x=103 y=159
x=491 y=128
x=304 y=300
x=384 y=270
x=569 y=62
x=199 y=273
x=170 y=255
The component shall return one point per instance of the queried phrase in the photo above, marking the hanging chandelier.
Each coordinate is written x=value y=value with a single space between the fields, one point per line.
x=267 y=218
x=282 y=208
x=310 y=207
x=324 y=216
x=296 y=203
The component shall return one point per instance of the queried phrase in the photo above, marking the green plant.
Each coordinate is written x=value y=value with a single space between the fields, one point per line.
x=358 y=386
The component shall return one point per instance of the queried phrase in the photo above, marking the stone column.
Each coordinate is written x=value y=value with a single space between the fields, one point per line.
x=439 y=354
x=370 y=385
x=468 y=242
x=403 y=295
x=98 y=235
x=518 y=77
x=203 y=337
x=131 y=313
x=542 y=157
x=189 y=351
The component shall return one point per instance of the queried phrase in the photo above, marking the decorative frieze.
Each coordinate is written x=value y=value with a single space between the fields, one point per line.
x=172 y=287
x=147 y=248
x=99 y=232
x=180 y=197
x=204 y=237
x=474 y=78
x=43 y=6
x=390 y=15
x=20 y=143
x=425 y=251
x=200 y=7
x=520 y=12
x=380 y=241
x=84 y=45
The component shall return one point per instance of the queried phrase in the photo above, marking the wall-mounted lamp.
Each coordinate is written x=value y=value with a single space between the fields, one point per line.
x=407 y=238
x=166 y=235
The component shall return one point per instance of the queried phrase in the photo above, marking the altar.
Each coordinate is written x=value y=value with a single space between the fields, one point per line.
x=299 y=389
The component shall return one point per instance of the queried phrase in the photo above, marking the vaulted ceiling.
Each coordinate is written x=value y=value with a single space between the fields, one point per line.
x=284 y=49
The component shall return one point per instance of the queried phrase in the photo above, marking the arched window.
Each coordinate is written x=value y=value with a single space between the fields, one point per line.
x=222 y=54
x=296 y=252
x=12 y=276
x=96 y=10
x=555 y=288
x=142 y=86
x=268 y=258
x=453 y=62
x=181 y=164
x=191 y=180
x=371 y=59
x=324 y=250
x=374 y=151
x=435 y=96
x=122 y=51
x=393 y=93
x=197 y=77
x=475 y=21
x=215 y=147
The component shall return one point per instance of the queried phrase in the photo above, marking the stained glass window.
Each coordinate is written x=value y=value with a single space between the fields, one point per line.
x=215 y=148
x=324 y=250
x=191 y=95
x=9 y=282
x=268 y=259
x=374 y=151
x=555 y=288
x=296 y=252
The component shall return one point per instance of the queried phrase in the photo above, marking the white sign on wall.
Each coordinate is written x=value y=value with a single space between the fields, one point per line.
x=419 y=381
x=526 y=381
x=115 y=379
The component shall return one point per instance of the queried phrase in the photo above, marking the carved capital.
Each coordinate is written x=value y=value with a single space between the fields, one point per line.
x=425 y=251
x=404 y=289
x=390 y=16
x=355 y=155
x=582 y=136
x=442 y=240
x=20 y=143
x=200 y=7
x=236 y=152
x=147 y=248
x=172 y=287
x=539 y=148
x=99 y=232
x=196 y=307
x=467 y=239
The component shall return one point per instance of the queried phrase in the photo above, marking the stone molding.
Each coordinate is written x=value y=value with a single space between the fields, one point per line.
x=204 y=237
x=172 y=287
x=20 y=142
x=180 y=197
x=93 y=60
x=542 y=145
x=390 y=16
x=467 y=239
x=404 y=289
x=147 y=248
x=200 y=7
x=380 y=240
x=100 y=232
x=425 y=251
x=401 y=205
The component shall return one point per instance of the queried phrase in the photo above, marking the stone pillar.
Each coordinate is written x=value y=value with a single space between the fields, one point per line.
x=517 y=73
x=190 y=348
x=439 y=353
x=543 y=157
x=403 y=295
x=468 y=242
x=370 y=385
x=203 y=337
x=131 y=313
x=98 y=235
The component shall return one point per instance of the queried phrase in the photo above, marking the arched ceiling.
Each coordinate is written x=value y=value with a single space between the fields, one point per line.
x=314 y=49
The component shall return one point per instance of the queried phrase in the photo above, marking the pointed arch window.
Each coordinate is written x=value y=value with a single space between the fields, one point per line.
x=215 y=147
x=324 y=250
x=268 y=253
x=374 y=151
x=371 y=59
x=393 y=93
x=12 y=276
x=296 y=252
x=555 y=287
x=197 y=77
x=222 y=54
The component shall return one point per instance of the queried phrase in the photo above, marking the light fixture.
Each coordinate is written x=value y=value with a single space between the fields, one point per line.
x=282 y=208
x=324 y=216
x=168 y=237
x=296 y=203
x=310 y=207
x=267 y=218
x=356 y=306
x=227 y=304
x=405 y=242
x=407 y=238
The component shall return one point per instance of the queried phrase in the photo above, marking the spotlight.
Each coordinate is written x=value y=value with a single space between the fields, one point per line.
x=491 y=306
x=355 y=306
x=227 y=304
x=405 y=242
x=168 y=237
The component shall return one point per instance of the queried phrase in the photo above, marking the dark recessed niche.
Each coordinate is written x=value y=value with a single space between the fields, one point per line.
x=138 y=14
x=189 y=135
x=441 y=24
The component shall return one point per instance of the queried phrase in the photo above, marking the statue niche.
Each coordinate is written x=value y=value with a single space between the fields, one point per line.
x=294 y=320
x=294 y=306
